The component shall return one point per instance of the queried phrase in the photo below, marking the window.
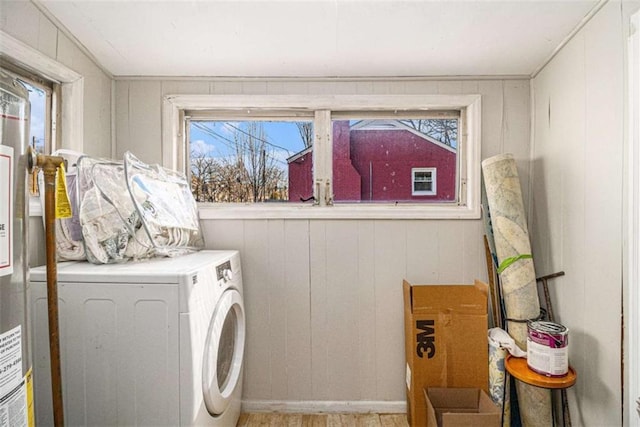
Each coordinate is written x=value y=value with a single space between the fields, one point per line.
x=423 y=181
x=250 y=161
x=41 y=95
x=408 y=156
x=42 y=111
x=64 y=120
x=67 y=117
x=374 y=158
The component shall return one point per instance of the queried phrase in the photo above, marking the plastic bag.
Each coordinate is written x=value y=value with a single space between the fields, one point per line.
x=166 y=207
x=110 y=222
x=130 y=210
x=69 y=245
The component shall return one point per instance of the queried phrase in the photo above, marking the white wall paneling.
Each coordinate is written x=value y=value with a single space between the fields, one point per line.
x=577 y=206
x=631 y=292
x=258 y=307
x=324 y=302
x=296 y=289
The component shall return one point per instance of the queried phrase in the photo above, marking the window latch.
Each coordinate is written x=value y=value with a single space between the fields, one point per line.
x=328 y=197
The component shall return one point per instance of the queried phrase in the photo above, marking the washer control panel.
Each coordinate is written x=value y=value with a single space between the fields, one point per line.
x=223 y=271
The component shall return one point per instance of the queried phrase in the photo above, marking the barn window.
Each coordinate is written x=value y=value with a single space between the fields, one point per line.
x=364 y=156
x=423 y=181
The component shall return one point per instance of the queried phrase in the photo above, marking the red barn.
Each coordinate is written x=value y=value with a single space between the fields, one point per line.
x=380 y=160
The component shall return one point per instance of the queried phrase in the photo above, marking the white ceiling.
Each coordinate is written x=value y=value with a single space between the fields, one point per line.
x=320 y=38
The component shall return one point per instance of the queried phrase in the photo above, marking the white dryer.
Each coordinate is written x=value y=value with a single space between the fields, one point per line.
x=158 y=342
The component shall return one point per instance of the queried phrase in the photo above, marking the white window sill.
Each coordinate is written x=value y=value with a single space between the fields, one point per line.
x=299 y=211
x=340 y=211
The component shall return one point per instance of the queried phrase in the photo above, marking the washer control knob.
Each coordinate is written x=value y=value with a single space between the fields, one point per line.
x=228 y=275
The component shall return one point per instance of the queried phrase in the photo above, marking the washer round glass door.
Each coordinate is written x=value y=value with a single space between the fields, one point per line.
x=223 y=352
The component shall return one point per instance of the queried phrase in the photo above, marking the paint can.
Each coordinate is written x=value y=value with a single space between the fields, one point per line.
x=548 y=348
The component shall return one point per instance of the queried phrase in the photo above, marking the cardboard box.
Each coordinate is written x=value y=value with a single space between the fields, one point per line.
x=445 y=341
x=461 y=407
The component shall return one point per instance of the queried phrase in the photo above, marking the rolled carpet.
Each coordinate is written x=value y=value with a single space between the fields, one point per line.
x=498 y=386
x=516 y=270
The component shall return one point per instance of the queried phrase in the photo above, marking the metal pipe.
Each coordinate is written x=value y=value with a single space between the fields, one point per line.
x=49 y=166
x=566 y=415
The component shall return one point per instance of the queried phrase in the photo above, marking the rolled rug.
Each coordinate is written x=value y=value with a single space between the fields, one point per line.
x=498 y=386
x=517 y=274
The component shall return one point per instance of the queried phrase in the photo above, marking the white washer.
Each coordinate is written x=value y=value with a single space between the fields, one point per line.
x=158 y=342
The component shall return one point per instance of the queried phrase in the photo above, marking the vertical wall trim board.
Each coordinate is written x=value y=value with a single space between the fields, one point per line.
x=129 y=114
x=623 y=101
x=502 y=116
x=57 y=41
x=631 y=290
x=113 y=119
x=532 y=152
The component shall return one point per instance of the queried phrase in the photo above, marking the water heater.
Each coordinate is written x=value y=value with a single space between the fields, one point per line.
x=16 y=397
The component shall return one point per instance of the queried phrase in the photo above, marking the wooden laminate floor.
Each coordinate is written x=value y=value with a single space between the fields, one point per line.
x=322 y=420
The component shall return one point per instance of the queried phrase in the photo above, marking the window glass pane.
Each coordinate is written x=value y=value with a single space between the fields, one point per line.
x=38 y=101
x=422 y=186
x=251 y=161
x=37 y=127
x=375 y=160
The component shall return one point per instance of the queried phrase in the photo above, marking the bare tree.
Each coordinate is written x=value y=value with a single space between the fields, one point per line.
x=251 y=155
x=306 y=133
x=229 y=182
x=203 y=168
x=249 y=173
x=443 y=130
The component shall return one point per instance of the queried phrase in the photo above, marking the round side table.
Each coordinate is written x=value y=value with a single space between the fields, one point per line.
x=517 y=367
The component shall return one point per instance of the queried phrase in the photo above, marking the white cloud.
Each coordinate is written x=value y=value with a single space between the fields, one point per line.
x=200 y=147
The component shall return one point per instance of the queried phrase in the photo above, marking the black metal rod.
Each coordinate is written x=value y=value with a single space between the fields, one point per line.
x=566 y=415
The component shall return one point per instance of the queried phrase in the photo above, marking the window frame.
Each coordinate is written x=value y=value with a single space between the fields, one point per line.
x=68 y=89
x=174 y=151
x=68 y=95
x=434 y=182
x=51 y=102
x=234 y=116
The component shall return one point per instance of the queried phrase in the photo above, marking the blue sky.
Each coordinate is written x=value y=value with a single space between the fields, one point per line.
x=283 y=138
x=38 y=99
